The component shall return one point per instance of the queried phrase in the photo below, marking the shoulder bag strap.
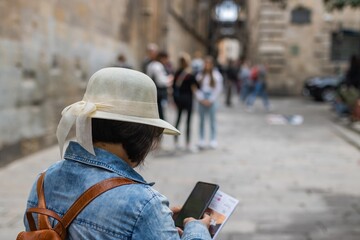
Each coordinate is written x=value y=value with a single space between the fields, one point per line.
x=43 y=220
x=86 y=198
x=180 y=79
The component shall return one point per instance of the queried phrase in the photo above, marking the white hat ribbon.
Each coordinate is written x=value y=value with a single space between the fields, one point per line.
x=79 y=112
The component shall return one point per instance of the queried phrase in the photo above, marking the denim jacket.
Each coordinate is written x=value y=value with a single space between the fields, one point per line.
x=134 y=211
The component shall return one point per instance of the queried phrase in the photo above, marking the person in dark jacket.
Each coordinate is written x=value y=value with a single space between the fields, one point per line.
x=352 y=77
x=183 y=87
x=231 y=77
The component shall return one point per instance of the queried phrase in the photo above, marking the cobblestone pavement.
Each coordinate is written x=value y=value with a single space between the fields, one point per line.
x=293 y=182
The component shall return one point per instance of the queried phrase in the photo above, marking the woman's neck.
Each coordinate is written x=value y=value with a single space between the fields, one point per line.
x=116 y=149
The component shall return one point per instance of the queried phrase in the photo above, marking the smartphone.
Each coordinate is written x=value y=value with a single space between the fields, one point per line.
x=198 y=201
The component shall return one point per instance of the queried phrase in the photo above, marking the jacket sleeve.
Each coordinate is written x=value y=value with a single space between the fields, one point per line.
x=155 y=222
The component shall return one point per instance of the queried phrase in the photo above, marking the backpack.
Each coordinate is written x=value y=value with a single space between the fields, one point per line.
x=44 y=230
x=254 y=73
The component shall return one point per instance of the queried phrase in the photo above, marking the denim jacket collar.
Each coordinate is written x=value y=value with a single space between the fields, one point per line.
x=102 y=159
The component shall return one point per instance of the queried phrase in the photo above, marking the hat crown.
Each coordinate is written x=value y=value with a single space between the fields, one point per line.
x=119 y=84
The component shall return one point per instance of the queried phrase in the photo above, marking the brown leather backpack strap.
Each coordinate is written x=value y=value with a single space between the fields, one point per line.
x=40 y=191
x=43 y=220
x=87 y=197
x=42 y=211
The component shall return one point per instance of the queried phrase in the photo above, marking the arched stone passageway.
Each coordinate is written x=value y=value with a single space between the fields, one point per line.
x=229 y=48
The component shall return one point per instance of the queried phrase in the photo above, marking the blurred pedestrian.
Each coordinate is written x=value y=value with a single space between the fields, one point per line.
x=156 y=70
x=117 y=124
x=231 y=80
x=151 y=54
x=258 y=75
x=184 y=86
x=169 y=68
x=121 y=62
x=245 y=81
x=352 y=77
x=211 y=82
x=348 y=92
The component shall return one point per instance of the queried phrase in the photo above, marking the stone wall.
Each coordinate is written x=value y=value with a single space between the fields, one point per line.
x=48 y=51
x=50 y=48
x=182 y=38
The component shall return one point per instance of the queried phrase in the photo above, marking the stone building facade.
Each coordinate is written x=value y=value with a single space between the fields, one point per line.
x=298 y=40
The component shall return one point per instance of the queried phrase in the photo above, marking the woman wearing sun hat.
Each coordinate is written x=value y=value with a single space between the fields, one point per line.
x=117 y=124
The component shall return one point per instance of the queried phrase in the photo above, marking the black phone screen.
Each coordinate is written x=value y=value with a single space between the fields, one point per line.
x=199 y=199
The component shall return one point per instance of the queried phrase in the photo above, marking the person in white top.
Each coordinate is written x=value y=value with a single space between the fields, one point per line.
x=211 y=84
x=157 y=72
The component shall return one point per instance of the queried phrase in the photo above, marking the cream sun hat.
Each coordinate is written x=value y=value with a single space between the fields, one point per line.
x=115 y=94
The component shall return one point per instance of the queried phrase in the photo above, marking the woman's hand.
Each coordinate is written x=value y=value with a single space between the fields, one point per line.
x=206 y=103
x=175 y=211
x=205 y=220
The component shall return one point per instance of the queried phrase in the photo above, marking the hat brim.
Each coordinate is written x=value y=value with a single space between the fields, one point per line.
x=168 y=128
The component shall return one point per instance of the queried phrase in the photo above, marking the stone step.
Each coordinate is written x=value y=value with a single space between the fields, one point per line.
x=272 y=12
x=271 y=20
x=273 y=25
x=272 y=54
x=269 y=6
x=280 y=62
x=268 y=3
x=272 y=40
x=265 y=30
x=264 y=33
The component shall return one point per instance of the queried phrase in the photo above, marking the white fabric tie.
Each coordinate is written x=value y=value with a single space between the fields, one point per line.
x=79 y=112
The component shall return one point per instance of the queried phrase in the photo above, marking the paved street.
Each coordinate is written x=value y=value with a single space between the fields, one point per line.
x=293 y=182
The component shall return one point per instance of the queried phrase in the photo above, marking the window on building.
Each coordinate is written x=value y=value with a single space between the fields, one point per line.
x=344 y=44
x=301 y=15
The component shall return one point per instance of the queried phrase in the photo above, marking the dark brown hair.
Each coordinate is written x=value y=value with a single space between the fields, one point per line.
x=161 y=55
x=210 y=72
x=137 y=139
